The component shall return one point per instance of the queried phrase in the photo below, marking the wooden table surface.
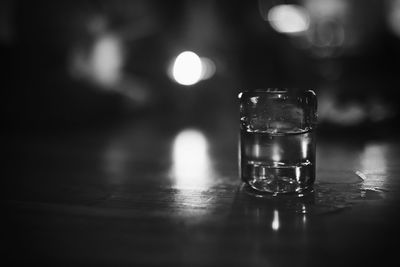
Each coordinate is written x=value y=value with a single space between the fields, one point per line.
x=143 y=193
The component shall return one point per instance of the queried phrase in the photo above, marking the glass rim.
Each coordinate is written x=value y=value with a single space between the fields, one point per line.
x=276 y=90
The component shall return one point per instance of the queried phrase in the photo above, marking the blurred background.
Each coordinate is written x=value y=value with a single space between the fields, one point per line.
x=74 y=65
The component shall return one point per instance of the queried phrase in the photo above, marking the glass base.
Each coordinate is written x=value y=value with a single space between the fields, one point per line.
x=280 y=185
x=279 y=179
x=261 y=190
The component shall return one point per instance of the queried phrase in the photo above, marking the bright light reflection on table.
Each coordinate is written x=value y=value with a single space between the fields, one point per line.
x=373 y=163
x=191 y=166
x=374 y=158
x=192 y=174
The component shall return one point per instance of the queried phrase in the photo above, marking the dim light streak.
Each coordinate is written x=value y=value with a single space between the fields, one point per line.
x=275 y=221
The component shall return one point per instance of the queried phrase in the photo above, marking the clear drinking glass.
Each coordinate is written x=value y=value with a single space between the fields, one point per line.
x=277 y=139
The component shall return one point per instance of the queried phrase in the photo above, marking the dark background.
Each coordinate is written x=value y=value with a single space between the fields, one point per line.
x=349 y=55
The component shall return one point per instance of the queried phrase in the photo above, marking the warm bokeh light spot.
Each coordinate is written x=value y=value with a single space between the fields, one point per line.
x=107 y=60
x=187 y=68
x=290 y=19
x=208 y=68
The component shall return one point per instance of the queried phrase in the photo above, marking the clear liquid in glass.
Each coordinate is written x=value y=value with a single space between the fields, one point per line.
x=278 y=162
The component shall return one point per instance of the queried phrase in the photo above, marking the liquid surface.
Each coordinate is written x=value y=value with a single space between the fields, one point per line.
x=278 y=162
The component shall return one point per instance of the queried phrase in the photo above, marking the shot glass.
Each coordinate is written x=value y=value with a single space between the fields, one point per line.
x=277 y=139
